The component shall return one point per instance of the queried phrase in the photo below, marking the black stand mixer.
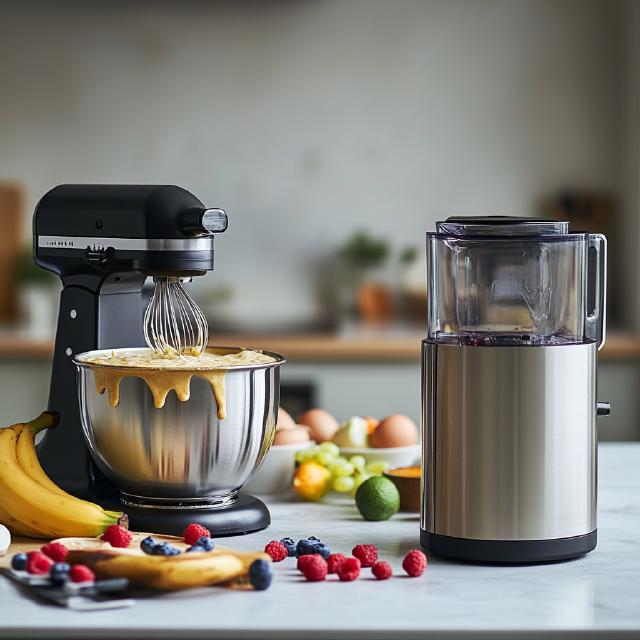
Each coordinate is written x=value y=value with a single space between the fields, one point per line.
x=105 y=241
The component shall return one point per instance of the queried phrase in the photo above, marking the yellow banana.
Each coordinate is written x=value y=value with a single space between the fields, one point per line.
x=28 y=458
x=15 y=526
x=166 y=573
x=36 y=507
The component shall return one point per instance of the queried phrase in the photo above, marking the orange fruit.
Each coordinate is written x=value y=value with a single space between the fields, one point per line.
x=311 y=481
x=372 y=424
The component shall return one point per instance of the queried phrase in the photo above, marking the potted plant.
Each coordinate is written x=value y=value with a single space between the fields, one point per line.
x=364 y=256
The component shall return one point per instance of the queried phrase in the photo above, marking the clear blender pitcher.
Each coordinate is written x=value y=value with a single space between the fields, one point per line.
x=515 y=281
x=516 y=313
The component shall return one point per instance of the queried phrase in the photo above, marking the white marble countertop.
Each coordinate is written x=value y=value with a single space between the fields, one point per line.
x=597 y=596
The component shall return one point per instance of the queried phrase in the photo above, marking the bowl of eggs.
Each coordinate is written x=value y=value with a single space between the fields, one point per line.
x=393 y=440
x=390 y=442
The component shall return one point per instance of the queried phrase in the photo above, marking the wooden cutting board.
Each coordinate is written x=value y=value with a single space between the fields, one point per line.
x=11 y=240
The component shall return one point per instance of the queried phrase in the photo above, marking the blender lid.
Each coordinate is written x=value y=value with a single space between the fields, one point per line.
x=501 y=226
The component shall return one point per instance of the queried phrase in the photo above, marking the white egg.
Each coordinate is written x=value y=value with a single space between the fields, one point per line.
x=5 y=540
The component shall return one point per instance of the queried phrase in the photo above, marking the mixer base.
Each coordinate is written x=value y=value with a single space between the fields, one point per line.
x=245 y=515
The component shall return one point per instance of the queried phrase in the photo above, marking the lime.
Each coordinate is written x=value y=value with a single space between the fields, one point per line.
x=377 y=498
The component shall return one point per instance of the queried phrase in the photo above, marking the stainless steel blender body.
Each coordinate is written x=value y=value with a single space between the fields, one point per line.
x=516 y=314
x=509 y=442
x=181 y=454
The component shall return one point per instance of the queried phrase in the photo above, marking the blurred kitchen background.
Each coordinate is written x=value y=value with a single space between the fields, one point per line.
x=334 y=133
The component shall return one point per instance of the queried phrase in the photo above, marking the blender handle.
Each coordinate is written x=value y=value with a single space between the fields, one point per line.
x=595 y=321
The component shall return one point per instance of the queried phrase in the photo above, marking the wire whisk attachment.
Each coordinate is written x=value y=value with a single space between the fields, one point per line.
x=174 y=324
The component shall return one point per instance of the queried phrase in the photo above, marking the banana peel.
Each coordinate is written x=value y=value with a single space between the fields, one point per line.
x=169 y=573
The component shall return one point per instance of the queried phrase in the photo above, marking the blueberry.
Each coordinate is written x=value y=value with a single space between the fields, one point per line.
x=290 y=545
x=195 y=547
x=19 y=562
x=206 y=543
x=306 y=547
x=148 y=544
x=59 y=573
x=260 y=575
x=165 y=549
x=313 y=538
x=322 y=549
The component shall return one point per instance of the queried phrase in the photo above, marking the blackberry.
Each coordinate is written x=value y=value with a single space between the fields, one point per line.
x=148 y=544
x=260 y=575
x=59 y=573
x=205 y=542
x=290 y=546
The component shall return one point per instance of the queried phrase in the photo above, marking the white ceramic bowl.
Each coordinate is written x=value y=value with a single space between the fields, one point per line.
x=276 y=472
x=395 y=456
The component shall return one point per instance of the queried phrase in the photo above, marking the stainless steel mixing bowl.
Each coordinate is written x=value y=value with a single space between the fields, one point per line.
x=181 y=454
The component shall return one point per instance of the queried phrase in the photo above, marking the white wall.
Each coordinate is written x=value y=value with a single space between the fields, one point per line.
x=307 y=119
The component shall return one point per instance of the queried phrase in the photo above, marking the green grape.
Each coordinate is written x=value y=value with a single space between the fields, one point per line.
x=377 y=467
x=301 y=456
x=341 y=469
x=330 y=449
x=343 y=484
x=358 y=462
x=324 y=458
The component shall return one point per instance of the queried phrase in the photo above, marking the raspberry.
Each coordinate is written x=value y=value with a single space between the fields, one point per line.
x=349 y=569
x=302 y=561
x=366 y=553
x=315 y=568
x=55 y=550
x=414 y=563
x=194 y=531
x=382 y=570
x=334 y=561
x=276 y=550
x=81 y=573
x=117 y=536
x=37 y=563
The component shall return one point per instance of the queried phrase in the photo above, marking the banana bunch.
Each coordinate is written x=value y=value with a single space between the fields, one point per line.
x=31 y=504
x=168 y=573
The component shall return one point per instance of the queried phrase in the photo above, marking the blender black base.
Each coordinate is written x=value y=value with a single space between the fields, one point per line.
x=508 y=551
x=246 y=515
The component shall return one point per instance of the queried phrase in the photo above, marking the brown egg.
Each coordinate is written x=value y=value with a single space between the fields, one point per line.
x=296 y=435
x=322 y=425
x=394 y=431
x=284 y=421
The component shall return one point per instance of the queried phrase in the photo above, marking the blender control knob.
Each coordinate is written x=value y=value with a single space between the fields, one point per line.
x=603 y=408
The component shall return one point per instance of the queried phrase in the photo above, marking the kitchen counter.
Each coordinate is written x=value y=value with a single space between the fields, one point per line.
x=593 y=597
x=356 y=344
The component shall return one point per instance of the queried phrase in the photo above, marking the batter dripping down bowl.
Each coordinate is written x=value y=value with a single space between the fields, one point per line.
x=179 y=432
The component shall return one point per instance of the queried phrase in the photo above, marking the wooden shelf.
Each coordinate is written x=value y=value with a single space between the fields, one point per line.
x=367 y=347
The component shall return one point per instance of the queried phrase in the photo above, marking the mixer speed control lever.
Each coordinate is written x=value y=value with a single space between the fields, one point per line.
x=197 y=222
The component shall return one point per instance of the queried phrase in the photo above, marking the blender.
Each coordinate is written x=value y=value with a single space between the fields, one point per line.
x=516 y=315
